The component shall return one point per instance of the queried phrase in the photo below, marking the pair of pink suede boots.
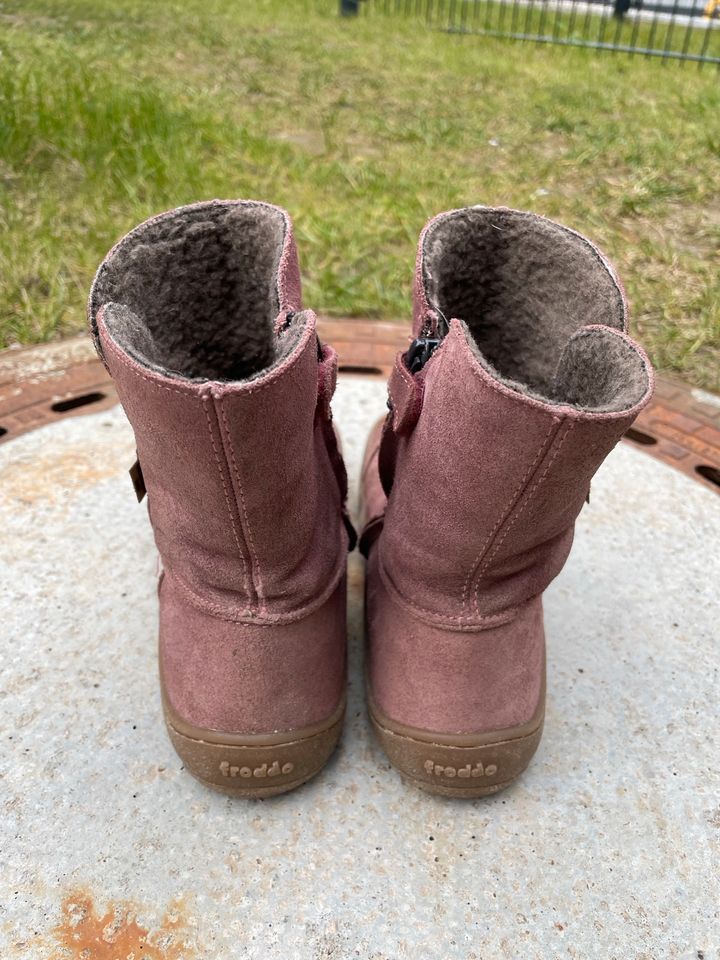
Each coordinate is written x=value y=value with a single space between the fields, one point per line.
x=519 y=381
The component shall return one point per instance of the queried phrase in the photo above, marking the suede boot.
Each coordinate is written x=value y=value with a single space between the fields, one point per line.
x=520 y=381
x=197 y=315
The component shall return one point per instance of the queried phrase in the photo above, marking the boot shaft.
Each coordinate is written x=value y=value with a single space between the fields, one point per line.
x=228 y=394
x=489 y=449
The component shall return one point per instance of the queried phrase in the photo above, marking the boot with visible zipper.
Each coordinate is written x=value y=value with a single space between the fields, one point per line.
x=520 y=381
x=197 y=315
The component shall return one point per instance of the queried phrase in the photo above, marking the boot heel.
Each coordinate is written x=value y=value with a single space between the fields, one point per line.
x=261 y=765
x=460 y=769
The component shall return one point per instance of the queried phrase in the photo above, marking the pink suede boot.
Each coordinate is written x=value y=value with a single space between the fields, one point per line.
x=519 y=383
x=197 y=314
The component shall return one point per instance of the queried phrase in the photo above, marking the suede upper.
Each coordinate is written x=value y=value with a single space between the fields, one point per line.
x=487 y=473
x=472 y=489
x=198 y=316
x=244 y=502
x=485 y=490
x=432 y=678
x=251 y=678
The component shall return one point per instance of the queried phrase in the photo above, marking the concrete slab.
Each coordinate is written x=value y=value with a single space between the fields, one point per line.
x=608 y=847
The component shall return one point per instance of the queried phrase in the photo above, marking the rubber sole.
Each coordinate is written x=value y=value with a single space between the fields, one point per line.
x=459 y=765
x=254 y=765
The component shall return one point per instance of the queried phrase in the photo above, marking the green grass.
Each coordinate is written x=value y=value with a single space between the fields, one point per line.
x=111 y=110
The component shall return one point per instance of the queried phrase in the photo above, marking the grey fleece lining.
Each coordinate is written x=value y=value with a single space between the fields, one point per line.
x=194 y=293
x=524 y=289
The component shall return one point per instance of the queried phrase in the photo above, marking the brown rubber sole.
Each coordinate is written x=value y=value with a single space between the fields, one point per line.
x=254 y=765
x=459 y=765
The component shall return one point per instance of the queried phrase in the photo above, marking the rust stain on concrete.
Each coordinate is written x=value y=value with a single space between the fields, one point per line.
x=86 y=933
x=47 y=478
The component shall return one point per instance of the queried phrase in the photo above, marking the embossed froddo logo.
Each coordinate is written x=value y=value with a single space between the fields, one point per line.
x=465 y=773
x=255 y=773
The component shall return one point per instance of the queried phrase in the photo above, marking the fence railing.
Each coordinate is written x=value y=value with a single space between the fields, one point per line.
x=684 y=30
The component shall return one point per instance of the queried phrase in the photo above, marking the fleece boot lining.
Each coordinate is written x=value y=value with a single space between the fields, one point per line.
x=525 y=288
x=194 y=294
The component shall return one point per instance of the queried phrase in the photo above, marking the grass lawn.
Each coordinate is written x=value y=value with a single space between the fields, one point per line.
x=111 y=110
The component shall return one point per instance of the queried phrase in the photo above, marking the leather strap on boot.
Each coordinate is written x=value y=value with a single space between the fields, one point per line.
x=327 y=382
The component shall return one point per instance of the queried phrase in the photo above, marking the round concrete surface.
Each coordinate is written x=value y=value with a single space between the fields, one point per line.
x=608 y=847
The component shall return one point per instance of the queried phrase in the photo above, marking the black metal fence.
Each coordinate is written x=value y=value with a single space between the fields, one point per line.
x=684 y=30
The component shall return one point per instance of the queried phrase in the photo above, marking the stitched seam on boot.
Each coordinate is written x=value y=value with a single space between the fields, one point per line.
x=115 y=350
x=250 y=615
x=255 y=577
x=188 y=391
x=526 y=500
x=514 y=500
x=483 y=621
x=136 y=371
x=241 y=554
